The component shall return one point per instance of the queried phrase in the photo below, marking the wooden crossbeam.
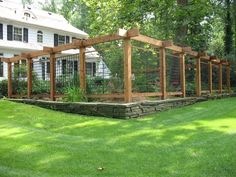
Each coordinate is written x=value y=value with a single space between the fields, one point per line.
x=16 y=58
x=128 y=33
x=3 y=59
x=152 y=41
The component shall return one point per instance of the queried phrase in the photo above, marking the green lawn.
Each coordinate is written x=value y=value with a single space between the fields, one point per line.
x=196 y=141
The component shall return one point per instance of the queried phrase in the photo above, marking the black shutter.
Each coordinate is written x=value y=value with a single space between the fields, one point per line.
x=9 y=32
x=67 y=39
x=25 y=35
x=55 y=39
x=1 y=31
x=94 y=69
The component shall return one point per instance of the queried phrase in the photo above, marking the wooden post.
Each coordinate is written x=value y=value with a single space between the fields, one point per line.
x=9 y=64
x=198 y=77
x=127 y=71
x=220 y=78
x=182 y=73
x=210 y=77
x=163 y=73
x=52 y=76
x=82 y=71
x=29 y=77
x=228 y=77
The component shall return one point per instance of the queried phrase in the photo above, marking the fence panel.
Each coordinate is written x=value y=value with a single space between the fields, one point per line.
x=205 y=76
x=66 y=73
x=190 y=71
x=173 y=83
x=41 y=77
x=19 y=79
x=145 y=69
x=105 y=69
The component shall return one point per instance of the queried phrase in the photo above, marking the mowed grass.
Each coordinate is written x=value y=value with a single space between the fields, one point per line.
x=194 y=141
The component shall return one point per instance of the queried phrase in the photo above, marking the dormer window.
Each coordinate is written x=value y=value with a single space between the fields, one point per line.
x=27 y=15
x=40 y=37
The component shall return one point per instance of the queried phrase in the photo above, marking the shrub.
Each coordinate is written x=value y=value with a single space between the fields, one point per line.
x=3 y=88
x=74 y=94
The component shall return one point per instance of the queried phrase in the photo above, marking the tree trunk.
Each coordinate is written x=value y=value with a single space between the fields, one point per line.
x=228 y=29
x=182 y=29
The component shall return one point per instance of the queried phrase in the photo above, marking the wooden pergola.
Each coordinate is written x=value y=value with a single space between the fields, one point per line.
x=126 y=36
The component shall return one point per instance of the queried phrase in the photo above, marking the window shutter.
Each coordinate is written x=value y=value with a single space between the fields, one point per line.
x=9 y=32
x=55 y=39
x=67 y=39
x=25 y=35
x=1 y=31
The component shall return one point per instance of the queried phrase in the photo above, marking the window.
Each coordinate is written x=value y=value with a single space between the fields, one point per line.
x=1 y=66
x=27 y=15
x=40 y=37
x=61 y=40
x=90 y=69
x=17 y=34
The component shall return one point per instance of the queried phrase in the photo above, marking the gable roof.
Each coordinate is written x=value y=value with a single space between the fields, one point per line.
x=16 y=12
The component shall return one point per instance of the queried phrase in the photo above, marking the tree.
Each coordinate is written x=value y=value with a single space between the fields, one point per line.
x=228 y=29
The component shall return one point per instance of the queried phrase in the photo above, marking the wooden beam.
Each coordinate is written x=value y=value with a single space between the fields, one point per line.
x=16 y=58
x=3 y=59
x=9 y=85
x=182 y=73
x=146 y=94
x=75 y=44
x=48 y=49
x=210 y=77
x=186 y=49
x=152 y=41
x=192 y=53
x=198 y=76
x=228 y=78
x=29 y=77
x=175 y=48
x=52 y=76
x=107 y=96
x=101 y=39
x=163 y=73
x=128 y=33
x=127 y=71
x=39 y=53
x=220 y=78
x=109 y=38
x=82 y=70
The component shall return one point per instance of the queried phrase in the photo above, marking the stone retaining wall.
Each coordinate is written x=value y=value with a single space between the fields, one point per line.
x=117 y=110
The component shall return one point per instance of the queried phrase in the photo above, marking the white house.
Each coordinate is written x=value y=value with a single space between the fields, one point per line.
x=24 y=29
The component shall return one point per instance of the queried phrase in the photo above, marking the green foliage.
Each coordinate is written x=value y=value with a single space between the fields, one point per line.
x=3 y=88
x=99 y=85
x=74 y=94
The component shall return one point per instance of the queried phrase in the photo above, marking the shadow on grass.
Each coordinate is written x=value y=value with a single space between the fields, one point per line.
x=193 y=141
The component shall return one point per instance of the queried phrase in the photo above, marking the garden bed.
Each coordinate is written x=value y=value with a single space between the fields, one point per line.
x=119 y=110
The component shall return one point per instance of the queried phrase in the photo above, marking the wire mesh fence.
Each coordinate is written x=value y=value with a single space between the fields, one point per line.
x=215 y=78
x=41 y=77
x=224 y=78
x=190 y=70
x=105 y=69
x=173 y=83
x=205 y=76
x=145 y=69
x=19 y=78
x=66 y=73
